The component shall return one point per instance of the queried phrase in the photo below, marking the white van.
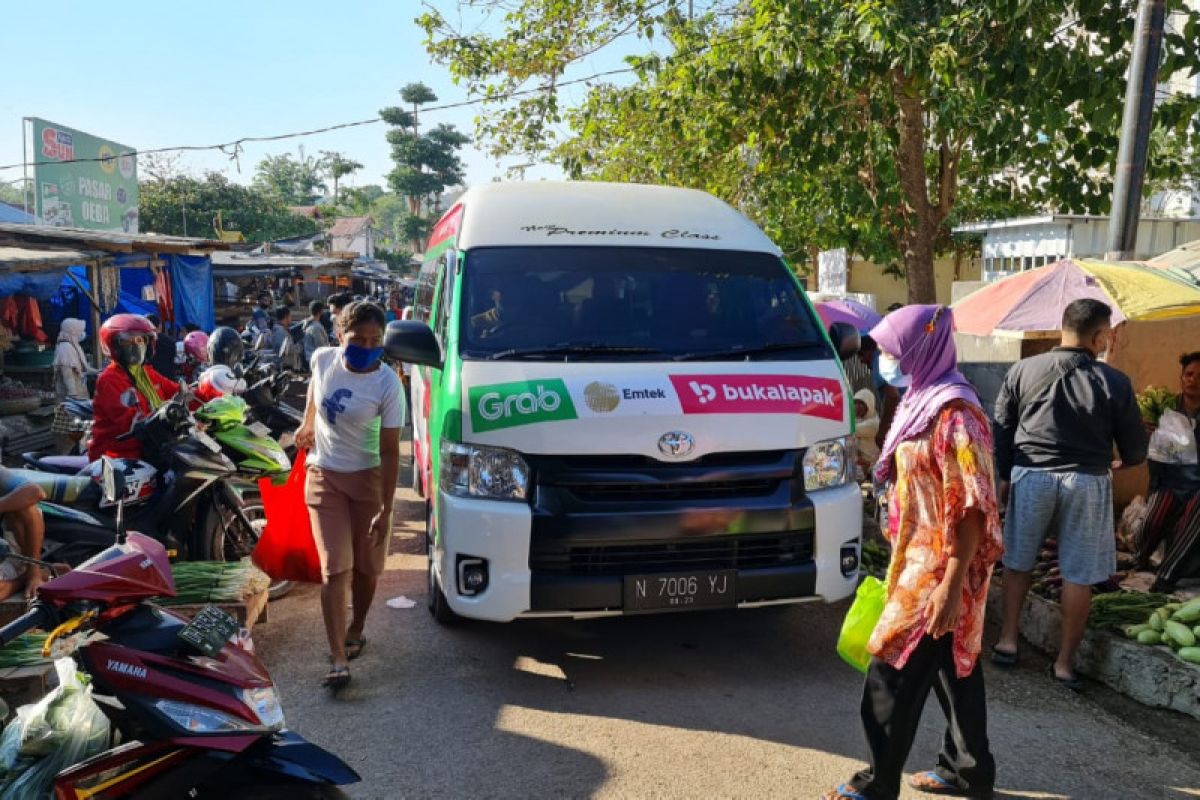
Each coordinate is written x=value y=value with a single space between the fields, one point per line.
x=626 y=404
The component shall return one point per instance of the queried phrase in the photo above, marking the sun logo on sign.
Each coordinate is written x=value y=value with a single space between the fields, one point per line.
x=108 y=159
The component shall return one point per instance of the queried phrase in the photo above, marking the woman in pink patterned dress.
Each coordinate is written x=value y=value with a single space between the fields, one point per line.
x=944 y=528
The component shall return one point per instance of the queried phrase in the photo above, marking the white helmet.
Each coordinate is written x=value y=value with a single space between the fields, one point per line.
x=220 y=380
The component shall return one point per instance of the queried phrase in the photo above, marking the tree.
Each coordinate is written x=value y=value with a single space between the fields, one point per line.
x=185 y=206
x=11 y=193
x=337 y=167
x=869 y=124
x=426 y=163
x=295 y=182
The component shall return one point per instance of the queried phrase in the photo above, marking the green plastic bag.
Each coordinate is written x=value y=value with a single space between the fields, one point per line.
x=860 y=623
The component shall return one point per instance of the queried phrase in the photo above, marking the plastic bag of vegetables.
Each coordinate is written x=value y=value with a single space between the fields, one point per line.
x=63 y=728
x=1174 y=440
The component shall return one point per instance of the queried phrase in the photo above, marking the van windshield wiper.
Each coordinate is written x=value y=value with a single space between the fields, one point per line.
x=745 y=351
x=573 y=348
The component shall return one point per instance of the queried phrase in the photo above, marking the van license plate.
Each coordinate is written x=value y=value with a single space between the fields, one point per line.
x=680 y=591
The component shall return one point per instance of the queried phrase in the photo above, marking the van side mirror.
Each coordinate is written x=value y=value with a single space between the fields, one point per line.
x=845 y=338
x=412 y=343
x=112 y=480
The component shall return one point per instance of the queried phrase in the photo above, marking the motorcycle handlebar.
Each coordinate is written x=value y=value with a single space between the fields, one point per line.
x=38 y=616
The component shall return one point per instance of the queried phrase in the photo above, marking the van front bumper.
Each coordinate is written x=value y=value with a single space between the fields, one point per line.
x=533 y=554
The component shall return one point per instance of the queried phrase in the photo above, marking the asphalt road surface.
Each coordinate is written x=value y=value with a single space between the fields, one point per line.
x=751 y=704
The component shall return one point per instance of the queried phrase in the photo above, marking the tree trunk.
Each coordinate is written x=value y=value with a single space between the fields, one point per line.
x=921 y=225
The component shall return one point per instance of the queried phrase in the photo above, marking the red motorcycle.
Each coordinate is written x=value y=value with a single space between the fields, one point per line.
x=194 y=715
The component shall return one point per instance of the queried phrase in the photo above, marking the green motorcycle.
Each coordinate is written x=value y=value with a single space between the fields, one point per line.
x=256 y=455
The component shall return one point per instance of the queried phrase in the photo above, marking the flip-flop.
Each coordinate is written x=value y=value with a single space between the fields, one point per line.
x=336 y=678
x=1002 y=658
x=1073 y=683
x=355 y=647
x=844 y=792
x=929 y=782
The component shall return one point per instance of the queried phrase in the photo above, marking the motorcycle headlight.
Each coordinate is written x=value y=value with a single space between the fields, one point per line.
x=264 y=701
x=201 y=719
x=829 y=463
x=477 y=471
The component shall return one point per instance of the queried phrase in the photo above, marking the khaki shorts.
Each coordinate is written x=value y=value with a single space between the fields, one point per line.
x=342 y=506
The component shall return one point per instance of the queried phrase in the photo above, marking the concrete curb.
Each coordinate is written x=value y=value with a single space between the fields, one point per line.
x=1153 y=676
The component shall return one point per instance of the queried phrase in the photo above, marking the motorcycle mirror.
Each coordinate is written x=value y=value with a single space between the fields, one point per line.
x=112 y=480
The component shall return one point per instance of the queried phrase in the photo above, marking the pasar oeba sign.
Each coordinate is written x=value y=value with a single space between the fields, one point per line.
x=82 y=181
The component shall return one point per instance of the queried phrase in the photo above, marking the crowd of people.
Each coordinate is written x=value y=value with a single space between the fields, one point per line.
x=946 y=469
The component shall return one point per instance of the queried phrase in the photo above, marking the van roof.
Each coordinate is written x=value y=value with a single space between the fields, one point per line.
x=614 y=214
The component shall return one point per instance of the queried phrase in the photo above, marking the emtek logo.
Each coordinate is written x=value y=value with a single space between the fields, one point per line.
x=506 y=405
x=121 y=668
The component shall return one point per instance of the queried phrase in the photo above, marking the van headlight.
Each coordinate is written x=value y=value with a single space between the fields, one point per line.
x=829 y=463
x=495 y=473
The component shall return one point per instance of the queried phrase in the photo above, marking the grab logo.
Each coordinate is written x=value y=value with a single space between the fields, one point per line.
x=761 y=394
x=506 y=405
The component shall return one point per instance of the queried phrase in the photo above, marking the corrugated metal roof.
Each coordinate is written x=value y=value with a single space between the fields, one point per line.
x=350 y=226
x=1185 y=257
x=106 y=240
x=19 y=259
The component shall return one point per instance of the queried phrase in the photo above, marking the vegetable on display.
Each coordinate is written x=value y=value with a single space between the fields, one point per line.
x=215 y=582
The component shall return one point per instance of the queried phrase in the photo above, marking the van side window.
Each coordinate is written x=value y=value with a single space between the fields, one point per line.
x=446 y=274
x=426 y=284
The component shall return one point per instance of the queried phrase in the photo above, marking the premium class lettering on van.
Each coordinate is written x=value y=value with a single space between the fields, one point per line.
x=559 y=230
x=671 y=233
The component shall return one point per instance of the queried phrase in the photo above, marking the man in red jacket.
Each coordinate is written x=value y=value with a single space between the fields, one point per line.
x=127 y=390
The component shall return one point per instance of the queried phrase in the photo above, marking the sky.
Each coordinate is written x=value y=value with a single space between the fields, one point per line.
x=154 y=74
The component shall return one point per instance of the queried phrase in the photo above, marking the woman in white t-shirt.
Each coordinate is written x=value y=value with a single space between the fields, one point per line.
x=352 y=430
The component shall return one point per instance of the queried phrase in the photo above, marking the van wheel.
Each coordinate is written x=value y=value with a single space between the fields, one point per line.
x=438 y=606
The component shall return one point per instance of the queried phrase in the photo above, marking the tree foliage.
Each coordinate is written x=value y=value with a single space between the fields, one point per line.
x=869 y=124
x=294 y=181
x=187 y=206
x=426 y=163
x=337 y=166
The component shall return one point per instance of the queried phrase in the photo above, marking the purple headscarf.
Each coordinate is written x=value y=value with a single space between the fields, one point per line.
x=922 y=338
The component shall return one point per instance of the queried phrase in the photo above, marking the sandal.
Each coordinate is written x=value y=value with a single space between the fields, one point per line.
x=930 y=782
x=336 y=678
x=1003 y=658
x=1073 y=682
x=843 y=792
x=354 y=647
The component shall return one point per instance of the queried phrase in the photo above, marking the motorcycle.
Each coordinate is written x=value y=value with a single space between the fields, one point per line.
x=256 y=455
x=196 y=714
x=179 y=493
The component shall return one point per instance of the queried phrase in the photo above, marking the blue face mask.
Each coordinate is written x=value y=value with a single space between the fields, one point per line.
x=362 y=358
x=889 y=370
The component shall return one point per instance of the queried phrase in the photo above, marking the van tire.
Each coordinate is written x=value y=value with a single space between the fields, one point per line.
x=439 y=607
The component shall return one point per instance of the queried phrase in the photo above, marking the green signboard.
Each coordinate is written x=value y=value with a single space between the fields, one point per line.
x=82 y=181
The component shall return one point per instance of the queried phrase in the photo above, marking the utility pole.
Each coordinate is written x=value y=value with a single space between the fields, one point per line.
x=1135 y=130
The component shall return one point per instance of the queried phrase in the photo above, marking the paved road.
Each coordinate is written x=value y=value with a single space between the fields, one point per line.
x=749 y=704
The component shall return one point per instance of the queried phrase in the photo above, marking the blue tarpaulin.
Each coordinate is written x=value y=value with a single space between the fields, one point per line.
x=191 y=288
x=192 y=285
x=41 y=285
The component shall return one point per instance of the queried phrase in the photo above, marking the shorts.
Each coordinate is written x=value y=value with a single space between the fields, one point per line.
x=1077 y=508
x=10 y=481
x=342 y=506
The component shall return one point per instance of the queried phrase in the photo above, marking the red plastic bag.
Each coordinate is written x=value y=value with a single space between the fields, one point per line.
x=286 y=550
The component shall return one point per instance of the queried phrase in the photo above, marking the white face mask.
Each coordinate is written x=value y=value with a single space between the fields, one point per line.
x=889 y=370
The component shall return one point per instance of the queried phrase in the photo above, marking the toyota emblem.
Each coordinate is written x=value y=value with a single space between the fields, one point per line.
x=676 y=444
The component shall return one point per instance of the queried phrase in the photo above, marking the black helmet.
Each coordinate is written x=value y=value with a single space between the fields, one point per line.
x=225 y=347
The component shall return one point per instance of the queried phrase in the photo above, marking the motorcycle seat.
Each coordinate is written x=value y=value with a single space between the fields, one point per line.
x=59 y=488
x=63 y=465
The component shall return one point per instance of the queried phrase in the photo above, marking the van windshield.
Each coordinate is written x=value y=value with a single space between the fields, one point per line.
x=633 y=304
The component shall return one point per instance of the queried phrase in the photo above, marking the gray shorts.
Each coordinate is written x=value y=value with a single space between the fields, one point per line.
x=1077 y=508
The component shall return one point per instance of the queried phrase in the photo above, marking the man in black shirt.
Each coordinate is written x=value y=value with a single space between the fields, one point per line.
x=163 y=359
x=1058 y=417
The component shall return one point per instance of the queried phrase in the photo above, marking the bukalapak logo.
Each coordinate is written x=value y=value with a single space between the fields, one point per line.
x=507 y=405
x=760 y=394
